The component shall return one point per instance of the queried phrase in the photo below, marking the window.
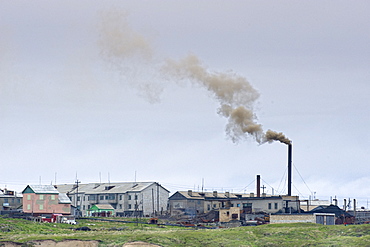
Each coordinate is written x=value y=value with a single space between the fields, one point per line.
x=29 y=206
x=129 y=197
x=120 y=197
x=6 y=200
x=83 y=207
x=41 y=197
x=129 y=206
x=28 y=197
x=78 y=198
x=269 y=205
x=88 y=206
x=238 y=205
x=101 y=197
x=52 y=197
x=41 y=207
x=276 y=205
x=120 y=206
x=111 y=197
x=106 y=197
x=135 y=197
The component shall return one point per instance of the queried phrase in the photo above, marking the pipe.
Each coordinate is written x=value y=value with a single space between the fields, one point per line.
x=289 y=169
x=258 y=185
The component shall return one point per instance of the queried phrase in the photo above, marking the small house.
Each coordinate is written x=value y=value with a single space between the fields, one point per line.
x=101 y=210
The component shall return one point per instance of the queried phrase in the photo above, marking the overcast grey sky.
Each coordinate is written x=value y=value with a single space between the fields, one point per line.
x=82 y=92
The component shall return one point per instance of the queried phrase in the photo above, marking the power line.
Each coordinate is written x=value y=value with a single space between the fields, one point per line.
x=302 y=178
x=282 y=178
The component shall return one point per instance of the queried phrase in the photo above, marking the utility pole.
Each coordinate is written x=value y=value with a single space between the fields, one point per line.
x=157 y=198
x=136 y=207
x=76 y=197
x=263 y=189
x=153 y=201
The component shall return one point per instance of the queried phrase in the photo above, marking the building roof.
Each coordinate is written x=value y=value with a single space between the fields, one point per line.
x=331 y=209
x=5 y=193
x=194 y=195
x=40 y=189
x=106 y=188
x=63 y=198
x=101 y=207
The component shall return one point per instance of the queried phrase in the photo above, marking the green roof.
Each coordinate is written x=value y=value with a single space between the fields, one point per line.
x=101 y=208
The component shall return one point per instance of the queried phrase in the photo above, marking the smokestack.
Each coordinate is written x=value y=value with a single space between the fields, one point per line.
x=354 y=209
x=258 y=185
x=289 y=169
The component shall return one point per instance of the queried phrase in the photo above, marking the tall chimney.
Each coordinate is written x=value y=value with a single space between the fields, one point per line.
x=258 y=185
x=354 y=209
x=289 y=169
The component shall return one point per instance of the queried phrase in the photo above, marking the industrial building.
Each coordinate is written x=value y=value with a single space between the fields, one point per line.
x=193 y=203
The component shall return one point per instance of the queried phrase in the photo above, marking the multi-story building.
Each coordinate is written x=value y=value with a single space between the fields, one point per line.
x=194 y=203
x=10 y=200
x=45 y=199
x=127 y=198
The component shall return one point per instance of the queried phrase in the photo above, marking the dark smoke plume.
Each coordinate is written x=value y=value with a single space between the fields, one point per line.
x=236 y=97
x=271 y=136
x=234 y=94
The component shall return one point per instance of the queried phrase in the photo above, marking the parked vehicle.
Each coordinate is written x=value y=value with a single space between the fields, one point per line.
x=59 y=218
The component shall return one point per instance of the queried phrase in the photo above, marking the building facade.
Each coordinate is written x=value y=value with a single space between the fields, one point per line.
x=127 y=198
x=194 y=203
x=318 y=218
x=45 y=199
x=10 y=200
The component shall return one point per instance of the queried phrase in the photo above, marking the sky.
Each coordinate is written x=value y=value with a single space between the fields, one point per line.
x=118 y=91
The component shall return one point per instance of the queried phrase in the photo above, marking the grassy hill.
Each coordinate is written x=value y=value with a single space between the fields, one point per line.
x=118 y=233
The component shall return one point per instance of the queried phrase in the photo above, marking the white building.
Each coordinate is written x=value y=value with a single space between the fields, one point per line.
x=127 y=198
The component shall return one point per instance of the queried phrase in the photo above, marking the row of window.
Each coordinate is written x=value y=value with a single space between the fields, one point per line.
x=6 y=200
x=275 y=206
x=41 y=207
x=130 y=206
x=41 y=197
x=245 y=205
x=105 y=197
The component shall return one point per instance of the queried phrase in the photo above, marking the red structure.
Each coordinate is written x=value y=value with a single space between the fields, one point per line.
x=45 y=199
